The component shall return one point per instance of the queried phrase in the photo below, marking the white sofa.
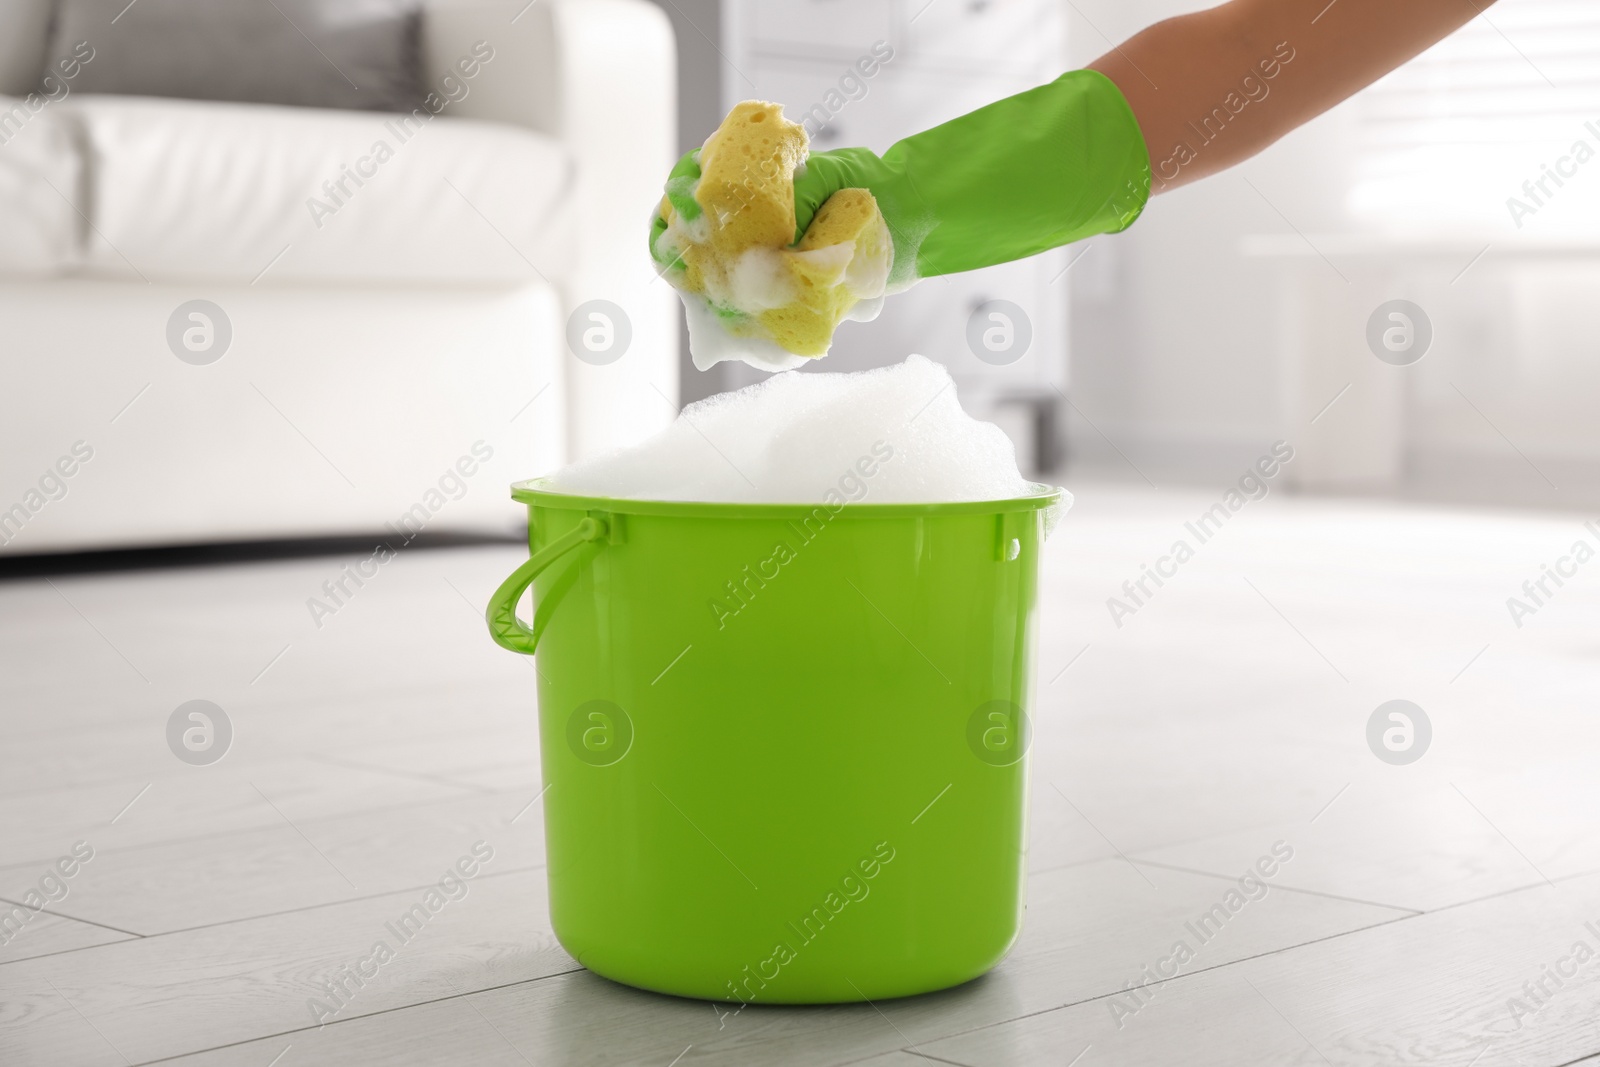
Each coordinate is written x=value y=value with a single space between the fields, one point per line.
x=397 y=355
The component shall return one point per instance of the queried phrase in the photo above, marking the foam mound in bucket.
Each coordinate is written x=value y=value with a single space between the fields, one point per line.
x=894 y=435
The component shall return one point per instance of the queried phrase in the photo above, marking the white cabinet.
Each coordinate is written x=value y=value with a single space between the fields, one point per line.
x=929 y=62
x=895 y=102
x=1021 y=36
x=841 y=27
x=976 y=36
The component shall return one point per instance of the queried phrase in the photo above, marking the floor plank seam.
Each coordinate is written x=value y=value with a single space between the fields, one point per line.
x=267 y=915
x=380 y=768
x=74 y=918
x=235 y=830
x=910 y=1051
x=173 y=776
x=1423 y=990
x=1134 y=856
x=1174 y=978
x=1286 y=888
x=1209 y=834
x=354 y=1018
x=1513 y=890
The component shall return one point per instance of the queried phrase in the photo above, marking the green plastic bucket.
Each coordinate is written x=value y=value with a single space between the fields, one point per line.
x=783 y=746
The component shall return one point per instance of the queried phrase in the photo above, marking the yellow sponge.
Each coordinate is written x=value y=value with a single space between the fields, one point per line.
x=738 y=254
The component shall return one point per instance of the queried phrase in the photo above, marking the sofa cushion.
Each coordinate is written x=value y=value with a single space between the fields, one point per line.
x=40 y=226
x=351 y=54
x=187 y=190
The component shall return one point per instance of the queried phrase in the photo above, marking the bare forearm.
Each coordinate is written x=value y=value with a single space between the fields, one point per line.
x=1215 y=87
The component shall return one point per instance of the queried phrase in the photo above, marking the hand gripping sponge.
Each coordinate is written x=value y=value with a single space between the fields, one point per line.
x=739 y=254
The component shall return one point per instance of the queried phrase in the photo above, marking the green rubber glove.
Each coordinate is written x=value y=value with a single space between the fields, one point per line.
x=680 y=191
x=1019 y=176
x=1028 y=173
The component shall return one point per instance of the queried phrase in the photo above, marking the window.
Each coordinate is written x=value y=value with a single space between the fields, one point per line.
x=1447 y=142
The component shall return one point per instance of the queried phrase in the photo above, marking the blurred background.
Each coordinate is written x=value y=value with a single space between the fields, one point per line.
x=1236 y=310
x=291 y=289
x=322 y=268
x=316 y=308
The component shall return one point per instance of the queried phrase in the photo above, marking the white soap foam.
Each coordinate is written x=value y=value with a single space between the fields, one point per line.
x=795 y=437
x=710 y=343
x=757 y=281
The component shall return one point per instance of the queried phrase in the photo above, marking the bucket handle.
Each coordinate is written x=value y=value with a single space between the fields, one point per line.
x=509 y=631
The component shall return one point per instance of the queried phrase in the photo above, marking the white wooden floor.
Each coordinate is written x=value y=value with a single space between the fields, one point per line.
x=1229 y=713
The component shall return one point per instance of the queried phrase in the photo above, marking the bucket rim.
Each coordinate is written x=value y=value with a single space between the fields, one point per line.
x=535 y=492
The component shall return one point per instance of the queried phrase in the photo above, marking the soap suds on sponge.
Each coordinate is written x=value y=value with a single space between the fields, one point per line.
x=795 y=437
x=751 y=294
